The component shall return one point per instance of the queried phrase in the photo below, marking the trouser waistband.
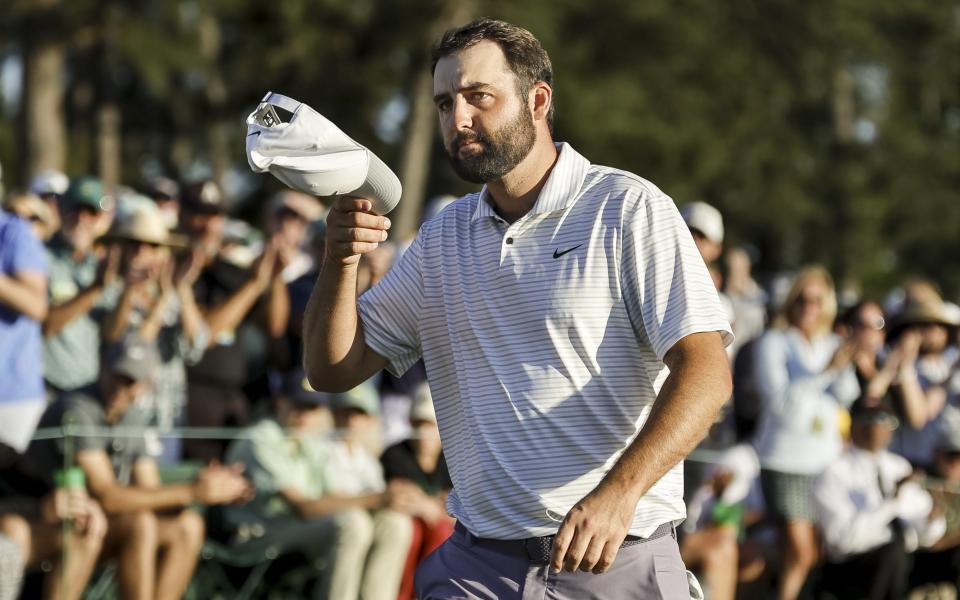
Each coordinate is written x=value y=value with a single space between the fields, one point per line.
x=537 y=549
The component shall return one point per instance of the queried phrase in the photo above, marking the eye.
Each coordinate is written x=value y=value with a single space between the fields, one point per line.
x=444 y=105
x=481 y=96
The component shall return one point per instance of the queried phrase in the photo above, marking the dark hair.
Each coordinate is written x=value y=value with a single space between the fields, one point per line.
x=525 y=55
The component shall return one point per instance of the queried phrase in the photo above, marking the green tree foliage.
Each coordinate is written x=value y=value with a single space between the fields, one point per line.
x=825 y=130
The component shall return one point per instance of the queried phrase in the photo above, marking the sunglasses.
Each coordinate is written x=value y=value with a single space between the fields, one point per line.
x=875 y=324
x=809 y=300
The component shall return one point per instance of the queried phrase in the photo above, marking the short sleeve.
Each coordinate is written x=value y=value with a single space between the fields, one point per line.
x=81 y=415
x=668 y=291
x=390 y=311
x=29 y=255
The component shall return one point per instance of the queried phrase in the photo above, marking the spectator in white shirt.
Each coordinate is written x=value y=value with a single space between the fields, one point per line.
x=872 y=513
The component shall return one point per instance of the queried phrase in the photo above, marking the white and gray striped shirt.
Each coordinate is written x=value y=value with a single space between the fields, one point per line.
x=544 y=340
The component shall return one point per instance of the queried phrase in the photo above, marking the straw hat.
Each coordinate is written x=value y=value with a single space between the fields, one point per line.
x=921 y=313
x=144 y=224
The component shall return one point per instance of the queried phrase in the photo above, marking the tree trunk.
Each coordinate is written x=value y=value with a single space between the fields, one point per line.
x=109 y=145
x=44 y=131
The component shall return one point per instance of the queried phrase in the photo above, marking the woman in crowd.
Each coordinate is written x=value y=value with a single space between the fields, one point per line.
x=804 y=378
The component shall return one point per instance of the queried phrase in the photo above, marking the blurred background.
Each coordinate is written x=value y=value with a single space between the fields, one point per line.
x=824 y=131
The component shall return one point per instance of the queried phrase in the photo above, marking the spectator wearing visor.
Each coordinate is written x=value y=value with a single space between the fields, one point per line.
x=165 y=192
x=78 y=278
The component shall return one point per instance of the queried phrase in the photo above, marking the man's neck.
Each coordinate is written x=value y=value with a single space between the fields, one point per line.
x=515 y=194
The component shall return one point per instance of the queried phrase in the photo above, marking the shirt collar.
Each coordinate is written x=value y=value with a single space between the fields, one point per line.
x=558 y=192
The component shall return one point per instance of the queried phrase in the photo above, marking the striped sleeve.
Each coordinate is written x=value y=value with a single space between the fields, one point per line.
x=390 y=310
x=668 y=291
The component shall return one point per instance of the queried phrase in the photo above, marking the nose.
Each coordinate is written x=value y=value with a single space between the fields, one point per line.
x=462 y=113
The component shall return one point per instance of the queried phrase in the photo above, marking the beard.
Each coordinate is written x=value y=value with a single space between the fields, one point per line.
x=501 y=150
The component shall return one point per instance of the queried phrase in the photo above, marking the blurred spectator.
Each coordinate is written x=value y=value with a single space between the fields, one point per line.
x=23 y=306
x=157 y=303
x=747 y=299
x=65 y=529
x=706 y=227
x=419 y=460
x=232 y=373
x=165 y=192
x=50 y=186
x=326 y=499
x=78 y=278
x=289 y=219
x=871 y=514
x=804 y=377
x=300 y=289
x=715 y=521
x=30 y=208
x=922 y=389
x=941 y=562
x=154 y=538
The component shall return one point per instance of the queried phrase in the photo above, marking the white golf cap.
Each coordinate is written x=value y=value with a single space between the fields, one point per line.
x=705 y=219
x=310 y=154
x=49 y=182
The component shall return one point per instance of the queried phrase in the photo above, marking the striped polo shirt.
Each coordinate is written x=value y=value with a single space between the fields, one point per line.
x=544 y=340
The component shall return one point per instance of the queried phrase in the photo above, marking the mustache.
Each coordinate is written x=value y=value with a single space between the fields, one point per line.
x=469 y=137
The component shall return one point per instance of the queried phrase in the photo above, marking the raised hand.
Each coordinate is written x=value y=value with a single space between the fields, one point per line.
x=353 y=230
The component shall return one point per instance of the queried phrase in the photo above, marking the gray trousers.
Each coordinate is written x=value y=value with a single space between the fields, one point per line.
x=465 y=569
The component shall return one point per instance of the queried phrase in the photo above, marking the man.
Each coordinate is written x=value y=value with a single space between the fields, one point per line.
x=325 y=500
x=572 y=336
x=78 y=279
x=870 y=514
x=50 y=186
x=221 y=386
x=154 y=537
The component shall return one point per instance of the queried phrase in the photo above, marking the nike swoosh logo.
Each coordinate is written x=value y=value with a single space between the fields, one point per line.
x=558 y=254
x=254 y=133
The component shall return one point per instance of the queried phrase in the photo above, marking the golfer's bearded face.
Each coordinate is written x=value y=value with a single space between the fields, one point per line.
x=487 y=127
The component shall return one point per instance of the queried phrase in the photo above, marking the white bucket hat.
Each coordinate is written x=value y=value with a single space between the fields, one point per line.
x=310 y=154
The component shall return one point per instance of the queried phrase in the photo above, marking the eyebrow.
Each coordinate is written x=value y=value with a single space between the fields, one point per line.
x=469 y=87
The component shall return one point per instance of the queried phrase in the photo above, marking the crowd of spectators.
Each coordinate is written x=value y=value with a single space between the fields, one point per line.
x=833 y=472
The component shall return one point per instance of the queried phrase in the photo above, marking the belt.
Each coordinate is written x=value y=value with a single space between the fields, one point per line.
x=538 y=549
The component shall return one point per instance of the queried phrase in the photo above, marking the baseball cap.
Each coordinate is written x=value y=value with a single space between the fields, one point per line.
x=364 y=397
x=297 y=389
x=49 y=182
x=134 y=357
x=704 y=218
x=204 y=197
x=163 y=188
x=874 y=415
x=312 y=155
x=87 y=191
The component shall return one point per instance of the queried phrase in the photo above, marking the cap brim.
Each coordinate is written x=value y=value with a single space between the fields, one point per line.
x=381 y=186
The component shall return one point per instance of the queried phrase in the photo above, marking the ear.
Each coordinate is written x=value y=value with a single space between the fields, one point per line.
x=540 y=99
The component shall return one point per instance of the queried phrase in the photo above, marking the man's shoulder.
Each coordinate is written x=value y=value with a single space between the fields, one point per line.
x=74 y=407
x=606 y=180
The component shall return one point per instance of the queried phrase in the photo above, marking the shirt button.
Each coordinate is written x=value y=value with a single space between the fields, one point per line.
x=510 y=240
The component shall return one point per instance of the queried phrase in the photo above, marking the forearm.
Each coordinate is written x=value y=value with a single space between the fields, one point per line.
x=150 y=327
x=331 y=504
x=123 y=499
x=60 y=316
x=333 y=341
x=190 y=316
x=22 y=298
x=278 y=307
x=912 y=399
x=228 y=315
x=685 y=409
x=116 y=322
